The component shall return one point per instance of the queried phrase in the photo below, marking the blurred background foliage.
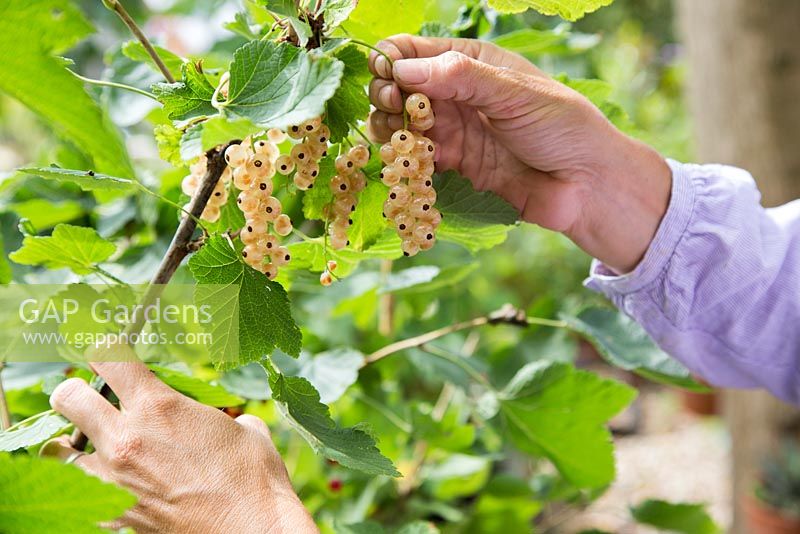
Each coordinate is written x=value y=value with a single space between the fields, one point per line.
x=463 y=475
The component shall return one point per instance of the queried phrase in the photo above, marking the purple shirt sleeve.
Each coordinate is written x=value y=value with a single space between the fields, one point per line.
x=719 y=287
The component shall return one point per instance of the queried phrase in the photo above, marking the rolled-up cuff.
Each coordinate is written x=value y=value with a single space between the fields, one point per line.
x=658 y=255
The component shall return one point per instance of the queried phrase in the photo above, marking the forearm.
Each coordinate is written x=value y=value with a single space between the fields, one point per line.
x=719 y=287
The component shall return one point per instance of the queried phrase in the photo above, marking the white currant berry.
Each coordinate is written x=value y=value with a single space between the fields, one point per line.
x=263 y=186
x=268 y=242
x=424 y=232
x=345 y=204
x=270 y=269
x=283 y=225
x=423 y=123
x=211 y=214
x=312 y=125
x=424 y=149
x=260 y=166
x=322 y=135
x=198 y=168
x=236 y=155
x=358 y=182
x=280 y=256
x=303 y=182
x=359 y=154
x=271 y=209
x=242 y=178
x=338 y=240
x=295 y=132
x=247 y=202
x=276 y=136
x=403 y=141
x=331 y=265
x=419 y=207
x=339 y=184
x=227 y=175
x=189 y=185
x=253 y=253
x=345 y=165
x=400 y=193
x=266 y=148
x=285 y=164
x=311 y=168
x=301 y=153
x=407 y=166
x=418 y=104
x=391 y=210
x=388 y=154
x=409 y=247
x=390 y=175
x=325 y=279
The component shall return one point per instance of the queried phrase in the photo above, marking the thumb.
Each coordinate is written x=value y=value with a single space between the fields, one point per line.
x=497 y=92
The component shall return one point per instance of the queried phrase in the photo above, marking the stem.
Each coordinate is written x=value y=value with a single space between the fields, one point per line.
x=375 y=49
x=117 y=7
x=386 y=303
x=505 y=315
x=361 y=134
x=180 y=247
x=104 y=83
x=5 y=414
x=99 y=270
x=175 y=205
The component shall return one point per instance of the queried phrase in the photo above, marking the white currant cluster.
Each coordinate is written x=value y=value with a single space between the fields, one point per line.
x=219 y=197
x=345 y=185
x=254 y=164
x=326 y=278
x=409 y=175
x=304 y=158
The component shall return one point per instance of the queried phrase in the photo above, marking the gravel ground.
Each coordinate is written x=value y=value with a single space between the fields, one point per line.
x=675 y=457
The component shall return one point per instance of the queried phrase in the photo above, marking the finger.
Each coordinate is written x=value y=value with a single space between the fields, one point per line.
x=381 y=125
x=87 y=409
x=131 y=381
x=385 y=96
x=406 y=46
x=60 y=449
x=254 y=423
x=499 y=93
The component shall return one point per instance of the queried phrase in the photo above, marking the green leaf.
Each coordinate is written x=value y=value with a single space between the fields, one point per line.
x=197 y=389
x=566 y=9
x=45 y=214
x=74 y=247
x=315 y=200
x=191 y=97
x=135 y=51
x=418 y=527
x=554 y=410
x=531 y=42
x=86 y=180
x=330 y=372
x=32 y=431
x=351 y=447
x=44 y=495
x=275 y=85
x=475 y=220
x=213 y=132
x=669 y=517
x=5 y=268
x=599 y=92
x=310 y=255
x=624 y=344
x=368 y=222
x=32 y=32
x=240 y=25
x=256 y=322
x=444 y=277
x=168 y=140
x=231 y=217
x=370 y=21
x=365 y=527
x=350 y=103
x=335 y=12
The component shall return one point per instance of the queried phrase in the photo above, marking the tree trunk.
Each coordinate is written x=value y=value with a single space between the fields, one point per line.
x=744 y=94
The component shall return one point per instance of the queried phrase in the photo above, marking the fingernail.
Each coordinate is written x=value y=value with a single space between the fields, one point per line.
x=385 y=96
x=412 y=71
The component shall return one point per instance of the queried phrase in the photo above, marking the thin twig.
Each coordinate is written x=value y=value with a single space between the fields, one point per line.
x=105 y=83
x=180 y=247
x=117 y=7
x=5 y=414
x=505 y=315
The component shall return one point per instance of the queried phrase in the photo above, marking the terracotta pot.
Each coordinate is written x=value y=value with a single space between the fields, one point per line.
x=700 y=403
x=763 y=519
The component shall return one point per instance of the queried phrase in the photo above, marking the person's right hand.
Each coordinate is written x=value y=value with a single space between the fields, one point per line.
x=510 y=128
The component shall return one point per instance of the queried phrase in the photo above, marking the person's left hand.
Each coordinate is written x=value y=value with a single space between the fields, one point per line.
x=193 y=468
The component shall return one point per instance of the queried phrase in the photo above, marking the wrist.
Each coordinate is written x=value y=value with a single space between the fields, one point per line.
x=624 y=204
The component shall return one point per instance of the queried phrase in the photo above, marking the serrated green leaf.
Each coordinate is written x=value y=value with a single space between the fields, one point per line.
x=197 y=389
x=275 y=85
x=368 y=221
x=257 y=321
x=350 y=103
x=74 y=247
x=335 y=12
x=624 y=344
x=675 y=517
x=135 y=51
x=86 y=180
x=351 y=447
x=168 y=140
x=32 y=431
x=32 y=31
x=315 y=200
x=371 y=22
x=191 y=97
x=475 y=220
x=554 y=410
x=567 y=9
x=240 y=25
x=311 y=255
x=44 y=495
x=45 y=214
x=330 y=372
